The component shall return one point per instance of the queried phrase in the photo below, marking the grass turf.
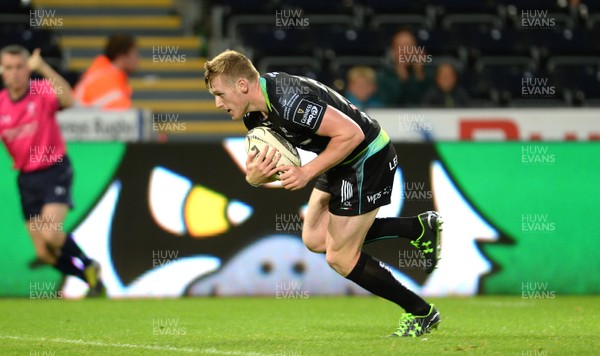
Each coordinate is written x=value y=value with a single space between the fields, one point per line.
x=312 y=326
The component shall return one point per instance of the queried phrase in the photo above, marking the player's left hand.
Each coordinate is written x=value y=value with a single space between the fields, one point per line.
x=294 y=178
x=35 y=61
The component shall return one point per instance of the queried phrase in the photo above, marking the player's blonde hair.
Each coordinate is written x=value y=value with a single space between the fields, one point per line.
x=232 y=65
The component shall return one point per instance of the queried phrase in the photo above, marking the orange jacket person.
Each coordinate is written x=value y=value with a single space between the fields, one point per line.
x=104 y=84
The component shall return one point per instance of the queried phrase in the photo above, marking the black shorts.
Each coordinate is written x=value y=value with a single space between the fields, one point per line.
x=47 y=185
x=364 y=183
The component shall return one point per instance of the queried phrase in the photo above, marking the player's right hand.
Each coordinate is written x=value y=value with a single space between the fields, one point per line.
x=261 y=166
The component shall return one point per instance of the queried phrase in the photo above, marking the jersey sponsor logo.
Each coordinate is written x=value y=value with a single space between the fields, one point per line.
x=307 y=113
x=372 y=198
x=288 y=107
x=346 y=193
x=394 y=163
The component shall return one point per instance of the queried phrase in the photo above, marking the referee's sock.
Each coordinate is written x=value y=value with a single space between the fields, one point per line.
x=66 y=266
x=376 y=277
x=70 y=248
x=385 y=228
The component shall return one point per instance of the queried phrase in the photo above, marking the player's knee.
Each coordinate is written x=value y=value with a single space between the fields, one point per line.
x=339 y=263
x=313 y=242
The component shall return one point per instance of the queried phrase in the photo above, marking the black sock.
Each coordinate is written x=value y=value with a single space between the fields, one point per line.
x=375 y=277
x=66 y=266
x=382 y=228
x=70 y=248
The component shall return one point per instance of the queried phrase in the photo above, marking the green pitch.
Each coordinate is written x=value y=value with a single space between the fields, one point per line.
x=311 y=326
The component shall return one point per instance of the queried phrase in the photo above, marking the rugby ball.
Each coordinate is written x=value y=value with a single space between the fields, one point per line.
x=258 y=137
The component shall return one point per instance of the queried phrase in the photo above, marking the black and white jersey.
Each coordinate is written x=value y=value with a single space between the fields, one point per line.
x=296 y=109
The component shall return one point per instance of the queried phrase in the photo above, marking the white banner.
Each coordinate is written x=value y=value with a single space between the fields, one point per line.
x=555 y=124
x=80 y=124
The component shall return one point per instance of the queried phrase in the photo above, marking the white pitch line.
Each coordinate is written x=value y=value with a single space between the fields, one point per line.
x=211 y=351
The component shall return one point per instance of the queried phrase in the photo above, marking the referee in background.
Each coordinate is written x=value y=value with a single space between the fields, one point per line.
x=32 y=136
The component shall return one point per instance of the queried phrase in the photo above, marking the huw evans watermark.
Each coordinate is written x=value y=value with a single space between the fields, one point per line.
x=536 y=290
x=413 y=55
x=163 y=257
x=168 y=326
x=167 y=123
x=537 y=223
x=537 y=155
x=288 y=223
x=532 y=87
x=291 y=19
x=537 y=19
x=290 y=290
x=168 y=54
x=45 y=19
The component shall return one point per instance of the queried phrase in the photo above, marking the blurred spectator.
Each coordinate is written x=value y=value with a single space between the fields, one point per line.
x=105 y=83
x=576 y=8
x=446 y=93
x=362 y=88
x=405 y=82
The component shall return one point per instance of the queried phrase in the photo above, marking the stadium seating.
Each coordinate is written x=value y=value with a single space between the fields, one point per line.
x=466 y=6
x=486 y=40
x=348 y=42
x=12 y=7
x=579 y=75
x=163 y=86
x=504 y=75
x=15 y=28
x=310 y=66
x=397 y=7
x=264 y=40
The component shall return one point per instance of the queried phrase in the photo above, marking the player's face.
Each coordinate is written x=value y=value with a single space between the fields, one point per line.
x=15 y=72
x=228 y=97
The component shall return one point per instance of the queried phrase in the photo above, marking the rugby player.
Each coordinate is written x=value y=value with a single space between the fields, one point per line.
x=354 y=171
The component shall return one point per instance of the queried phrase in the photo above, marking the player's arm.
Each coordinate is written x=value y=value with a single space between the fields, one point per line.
x=345 y=135
x=59 y=84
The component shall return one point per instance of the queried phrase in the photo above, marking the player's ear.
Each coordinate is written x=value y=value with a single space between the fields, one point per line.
x=242 y=85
